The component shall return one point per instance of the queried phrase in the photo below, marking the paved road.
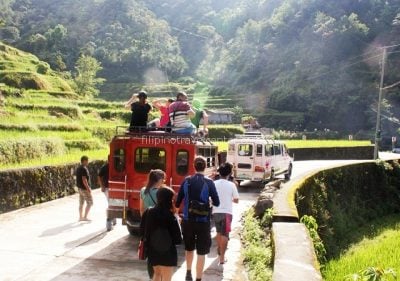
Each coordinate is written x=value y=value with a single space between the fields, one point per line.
x=45 y=242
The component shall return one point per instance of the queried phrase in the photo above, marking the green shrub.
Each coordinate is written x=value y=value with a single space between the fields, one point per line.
x=257 y=245
x=312 y=227
x=43 y=68
x=15 y=151
x=224 y=132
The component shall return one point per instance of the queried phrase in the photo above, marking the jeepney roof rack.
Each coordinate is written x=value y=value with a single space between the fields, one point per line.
x=149 y=132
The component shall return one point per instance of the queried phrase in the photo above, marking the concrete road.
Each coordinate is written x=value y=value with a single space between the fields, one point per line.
x=46 y=242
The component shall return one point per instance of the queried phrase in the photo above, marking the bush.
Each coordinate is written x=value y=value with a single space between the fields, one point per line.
x=15 y=151
x=224 y=132
x=26 y=187
x=43 y=68
x=257 y=245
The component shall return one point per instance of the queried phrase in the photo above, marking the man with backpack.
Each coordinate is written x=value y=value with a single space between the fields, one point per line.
x=195 y=192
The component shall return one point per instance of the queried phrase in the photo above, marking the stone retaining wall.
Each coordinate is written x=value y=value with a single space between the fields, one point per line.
x=21 y=188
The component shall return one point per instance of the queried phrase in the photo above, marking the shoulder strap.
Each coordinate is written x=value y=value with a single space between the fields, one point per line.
x=151 y=197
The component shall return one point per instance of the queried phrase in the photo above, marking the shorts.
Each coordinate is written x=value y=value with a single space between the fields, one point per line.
x=223 y=223
x=197 y=235
x=84 y=195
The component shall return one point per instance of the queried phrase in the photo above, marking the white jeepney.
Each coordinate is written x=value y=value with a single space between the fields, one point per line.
x=257 y=158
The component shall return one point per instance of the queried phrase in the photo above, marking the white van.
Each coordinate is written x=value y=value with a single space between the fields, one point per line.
x=257 y=158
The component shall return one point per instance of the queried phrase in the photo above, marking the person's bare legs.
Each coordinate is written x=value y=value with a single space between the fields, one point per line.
x=201 y=259
x=157 y=273
x=223 y=243
x=166 y=273
x=189 y=260
x=87 y=209
x=80 y=212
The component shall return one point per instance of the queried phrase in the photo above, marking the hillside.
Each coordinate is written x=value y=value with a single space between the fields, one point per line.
x=295 y=64
x=43 y=121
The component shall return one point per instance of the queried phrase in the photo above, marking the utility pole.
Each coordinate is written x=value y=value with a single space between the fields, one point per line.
x=378 y=114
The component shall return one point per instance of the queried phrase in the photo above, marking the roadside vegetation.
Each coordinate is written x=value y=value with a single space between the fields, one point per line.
x=378 y=251
x=357 y=210
x=256 y=239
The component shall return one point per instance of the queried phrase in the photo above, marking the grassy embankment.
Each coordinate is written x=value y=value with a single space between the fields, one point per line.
x=380 y=248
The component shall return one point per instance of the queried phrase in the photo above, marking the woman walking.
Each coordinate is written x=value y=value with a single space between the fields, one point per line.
x=148 y=199
x=148 y=194
x=161 y=231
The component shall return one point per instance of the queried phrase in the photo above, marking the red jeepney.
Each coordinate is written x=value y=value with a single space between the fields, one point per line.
x=134 y=154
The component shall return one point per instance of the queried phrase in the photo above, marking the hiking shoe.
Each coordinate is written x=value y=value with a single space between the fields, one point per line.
x=189 y=276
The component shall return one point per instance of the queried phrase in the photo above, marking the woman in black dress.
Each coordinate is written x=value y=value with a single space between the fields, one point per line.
x=161 y=231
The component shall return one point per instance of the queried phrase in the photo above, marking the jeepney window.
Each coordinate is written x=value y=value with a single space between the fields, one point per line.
x=182 y=162
x=269 y=150
x=277 y=149
x=259 y=150
x=245 y=150
x=119 y=160
x=149 y=158
x=209 y=153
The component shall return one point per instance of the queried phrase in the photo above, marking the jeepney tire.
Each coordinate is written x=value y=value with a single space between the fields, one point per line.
x=109 y=225
x=134 y=231
x=289 y=172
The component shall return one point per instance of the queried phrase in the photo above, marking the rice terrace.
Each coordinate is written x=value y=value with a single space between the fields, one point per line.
x=200 y=140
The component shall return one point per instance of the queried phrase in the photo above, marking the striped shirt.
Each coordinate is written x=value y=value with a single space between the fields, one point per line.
x=178 y=114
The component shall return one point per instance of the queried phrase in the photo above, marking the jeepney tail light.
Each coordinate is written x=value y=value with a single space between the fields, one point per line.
x=259 y=169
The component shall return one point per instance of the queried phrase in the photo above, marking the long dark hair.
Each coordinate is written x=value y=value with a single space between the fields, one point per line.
x=154 y=177
x=164 y=198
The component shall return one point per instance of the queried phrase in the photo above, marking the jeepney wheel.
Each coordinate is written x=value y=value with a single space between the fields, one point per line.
x=289 y=172
x=134 y=231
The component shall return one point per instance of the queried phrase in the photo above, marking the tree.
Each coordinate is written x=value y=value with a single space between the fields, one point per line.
x=85 y=78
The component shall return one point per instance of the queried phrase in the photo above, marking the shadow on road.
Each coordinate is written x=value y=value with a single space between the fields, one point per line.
x=59 y=229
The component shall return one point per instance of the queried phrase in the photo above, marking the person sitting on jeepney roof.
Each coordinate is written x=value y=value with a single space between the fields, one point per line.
x=162 y=105
x=140 y=111
x=200 y=113
x=180 y=113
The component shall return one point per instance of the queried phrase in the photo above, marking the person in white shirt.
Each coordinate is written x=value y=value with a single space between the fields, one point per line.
x=222 y=215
